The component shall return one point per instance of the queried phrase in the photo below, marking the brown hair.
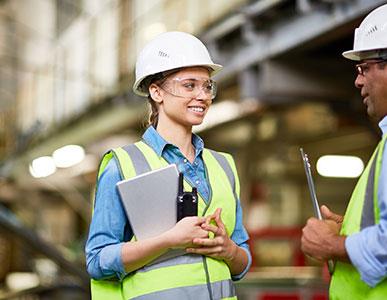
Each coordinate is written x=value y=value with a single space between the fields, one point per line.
x=153 y=116
x=158 y=79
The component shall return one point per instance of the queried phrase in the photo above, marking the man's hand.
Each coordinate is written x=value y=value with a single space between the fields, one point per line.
x=329 y=215
x=321 y=239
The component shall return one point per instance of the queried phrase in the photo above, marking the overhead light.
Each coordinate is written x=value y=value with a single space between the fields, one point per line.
x=340 y=166
x=42 y=167
x=68 y=156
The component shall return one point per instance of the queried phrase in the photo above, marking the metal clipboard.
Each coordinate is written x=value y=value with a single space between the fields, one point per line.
x=313 y=197
x=312 y=190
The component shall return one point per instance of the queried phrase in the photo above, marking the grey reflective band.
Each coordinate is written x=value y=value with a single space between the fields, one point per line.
x=179 y=260
x=227 y=169
x=368 y=214
x=221 y=289
x=139 y=161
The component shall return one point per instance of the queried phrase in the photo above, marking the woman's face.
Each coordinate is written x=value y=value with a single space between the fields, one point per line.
x=185 y=97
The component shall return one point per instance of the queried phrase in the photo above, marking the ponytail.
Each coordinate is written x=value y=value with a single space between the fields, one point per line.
x=159 y=78
x=153 y=117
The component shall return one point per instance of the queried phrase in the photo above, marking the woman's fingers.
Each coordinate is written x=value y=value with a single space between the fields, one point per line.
x=199 y=220
x=211 y=228
x=206 y=242
x=217 y=227
x=214 y=251
x=218 y=218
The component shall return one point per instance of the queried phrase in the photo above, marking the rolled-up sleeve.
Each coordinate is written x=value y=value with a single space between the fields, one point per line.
x=107 y=228
x=241 y=237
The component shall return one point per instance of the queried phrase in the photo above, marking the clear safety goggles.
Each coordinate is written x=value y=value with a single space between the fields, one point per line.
x=190 y=87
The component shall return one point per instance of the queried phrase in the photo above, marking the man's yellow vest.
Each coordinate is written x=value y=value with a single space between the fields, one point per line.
x=189 y=276
x=362 y=211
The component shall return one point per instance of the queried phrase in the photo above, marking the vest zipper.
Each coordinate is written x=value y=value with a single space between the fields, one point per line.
x=204 y=213
x=207 y=277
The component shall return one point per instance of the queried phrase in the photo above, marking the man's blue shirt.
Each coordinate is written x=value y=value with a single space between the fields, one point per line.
x=367 y=249
x=109 y=228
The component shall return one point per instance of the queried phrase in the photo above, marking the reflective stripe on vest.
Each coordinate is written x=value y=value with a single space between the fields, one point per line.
x=362 y=211
x=222 y=160
x=178 y=260
x=368 y=214
x=139 y=161
x=222 y=290
x=184 y=277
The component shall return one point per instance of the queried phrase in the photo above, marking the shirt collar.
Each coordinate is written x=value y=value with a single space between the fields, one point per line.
x=158 y=144
x=154 y=139
x=383 y=125
x=198 y=144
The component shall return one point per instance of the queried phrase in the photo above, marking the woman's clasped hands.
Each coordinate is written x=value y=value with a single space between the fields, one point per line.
x=217 y=243
x=204 y=236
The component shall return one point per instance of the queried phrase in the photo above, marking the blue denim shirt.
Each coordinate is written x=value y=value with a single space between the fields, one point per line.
x=110 y=229
x=367 y=249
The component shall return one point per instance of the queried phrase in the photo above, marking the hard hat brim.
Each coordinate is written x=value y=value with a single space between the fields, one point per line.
x=352 y=55
x=358 y=55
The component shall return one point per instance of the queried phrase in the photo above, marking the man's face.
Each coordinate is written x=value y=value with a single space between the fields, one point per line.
x=372 y=82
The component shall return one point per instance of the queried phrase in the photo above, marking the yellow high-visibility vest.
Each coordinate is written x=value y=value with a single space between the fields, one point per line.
x=362 y=211
x=189 y=276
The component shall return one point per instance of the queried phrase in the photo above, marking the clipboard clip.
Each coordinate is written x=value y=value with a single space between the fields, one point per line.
x=187 y=202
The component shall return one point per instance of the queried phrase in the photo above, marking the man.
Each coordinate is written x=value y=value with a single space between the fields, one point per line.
x=357 y=242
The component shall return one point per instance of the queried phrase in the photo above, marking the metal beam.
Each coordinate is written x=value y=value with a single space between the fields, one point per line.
x=293 y=80
x=286 y=34
x=249 y=82
x=238 y=18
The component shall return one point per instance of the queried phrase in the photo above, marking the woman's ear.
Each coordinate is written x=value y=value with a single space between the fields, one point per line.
x=155 y=93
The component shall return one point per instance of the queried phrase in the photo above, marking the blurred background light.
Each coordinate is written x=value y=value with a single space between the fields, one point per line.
x=21 y=281
x=340 y=166
x=225 y=111
x=154 y=29
x=68 y=156
x=42 y=167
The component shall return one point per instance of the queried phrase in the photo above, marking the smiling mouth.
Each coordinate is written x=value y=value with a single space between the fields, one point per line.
x=196 y=109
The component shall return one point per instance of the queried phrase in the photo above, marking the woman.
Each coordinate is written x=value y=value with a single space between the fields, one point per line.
x=173 y=71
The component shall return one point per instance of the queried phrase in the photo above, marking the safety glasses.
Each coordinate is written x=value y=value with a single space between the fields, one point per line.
x=363 y=68
x=190 y=87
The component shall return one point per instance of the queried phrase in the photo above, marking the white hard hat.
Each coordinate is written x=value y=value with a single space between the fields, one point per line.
x=371 y=37
x=168 y=51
